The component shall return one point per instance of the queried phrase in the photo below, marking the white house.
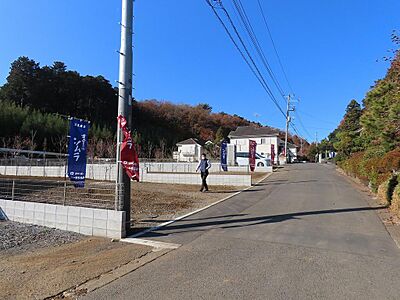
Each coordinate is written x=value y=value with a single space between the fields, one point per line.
x=188 y=151
x=292 y=152
x=265 y=137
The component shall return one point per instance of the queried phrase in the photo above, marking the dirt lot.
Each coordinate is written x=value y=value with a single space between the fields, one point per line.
x=29 y=272
x=39 y=262
x=153 y=203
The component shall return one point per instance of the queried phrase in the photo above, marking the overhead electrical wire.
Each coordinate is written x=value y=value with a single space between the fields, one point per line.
x=249 y=59
x=273 y=45
x=249 y=28
x=302 y=125
x=246 y=55
x=316 y=118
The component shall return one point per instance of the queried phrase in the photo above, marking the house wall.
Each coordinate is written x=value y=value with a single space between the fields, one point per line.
x=293 y=152
x=263 y=145
x=189 y=153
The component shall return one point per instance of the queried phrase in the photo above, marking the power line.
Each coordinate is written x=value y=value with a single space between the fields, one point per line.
x=237 y=47
x=251 y=59
x=281 y=66
x=249 y=28
x=253 y=66
x=302 y=125
x=316 y=118
x=273 y=44
x=242 y=13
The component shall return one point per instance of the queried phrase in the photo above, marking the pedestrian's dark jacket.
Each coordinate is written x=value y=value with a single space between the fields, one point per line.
x=203 y=165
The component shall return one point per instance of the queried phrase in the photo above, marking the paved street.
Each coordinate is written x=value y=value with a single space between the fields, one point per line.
x=303 y=233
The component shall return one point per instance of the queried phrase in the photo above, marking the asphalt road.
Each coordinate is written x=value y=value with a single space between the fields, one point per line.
x=304 y=233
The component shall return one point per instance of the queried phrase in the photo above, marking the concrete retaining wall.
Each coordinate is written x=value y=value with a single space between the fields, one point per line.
x=107 y=172
x=172 y=167
x=87 y=221
x=231 y=180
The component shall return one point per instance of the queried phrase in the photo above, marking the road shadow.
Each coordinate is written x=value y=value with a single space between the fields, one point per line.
x=239 y=221
x=280 y=182
x=190 y=220
x=233 y=191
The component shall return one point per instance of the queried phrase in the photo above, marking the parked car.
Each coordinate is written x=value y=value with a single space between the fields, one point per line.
x=242 y=159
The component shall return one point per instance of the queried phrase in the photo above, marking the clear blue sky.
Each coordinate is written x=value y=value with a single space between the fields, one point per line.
x=329 y=50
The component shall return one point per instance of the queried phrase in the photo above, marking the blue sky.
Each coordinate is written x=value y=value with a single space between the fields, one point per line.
x=329 y=50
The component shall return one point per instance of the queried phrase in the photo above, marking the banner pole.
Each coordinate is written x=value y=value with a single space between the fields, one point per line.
x=123 y=183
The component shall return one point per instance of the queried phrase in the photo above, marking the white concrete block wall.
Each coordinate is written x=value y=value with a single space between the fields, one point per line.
x=169 y=167
x=108 y=172
x=87 y=221
x=231 y=180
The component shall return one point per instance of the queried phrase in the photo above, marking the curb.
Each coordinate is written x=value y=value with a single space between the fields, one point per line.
x=193 y=212
x=107 y=278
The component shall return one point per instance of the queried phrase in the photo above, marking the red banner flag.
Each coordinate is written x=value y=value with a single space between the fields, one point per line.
x=129 y=158
x=252 y=155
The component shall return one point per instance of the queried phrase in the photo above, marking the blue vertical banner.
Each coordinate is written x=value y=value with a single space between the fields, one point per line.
x=78 y=132
x=224 y=155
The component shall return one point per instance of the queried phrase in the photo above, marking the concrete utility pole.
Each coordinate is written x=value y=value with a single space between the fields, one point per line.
x=287 y=127
x=301 y=146
x=123 y=186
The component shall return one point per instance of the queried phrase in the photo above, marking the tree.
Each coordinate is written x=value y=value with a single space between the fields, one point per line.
x=312 y=152
x=21 y=81
x=220 y=135
x=347 y=138
x=380 y=119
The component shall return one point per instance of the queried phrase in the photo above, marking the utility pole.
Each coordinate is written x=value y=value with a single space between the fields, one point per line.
x=123 y=184
x=301 y=146
x=316 y=146
x=288 y=110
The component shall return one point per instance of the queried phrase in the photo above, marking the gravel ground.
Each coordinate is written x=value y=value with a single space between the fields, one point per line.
x=18 y=237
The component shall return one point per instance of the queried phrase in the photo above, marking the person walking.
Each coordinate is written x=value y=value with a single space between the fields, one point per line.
x=203 y=166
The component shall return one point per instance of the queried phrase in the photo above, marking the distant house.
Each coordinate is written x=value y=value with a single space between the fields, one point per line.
x=188 y=151
x=265 y=137
x=292 y=152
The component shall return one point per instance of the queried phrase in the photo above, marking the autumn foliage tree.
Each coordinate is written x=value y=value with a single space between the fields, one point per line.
x=34 y=97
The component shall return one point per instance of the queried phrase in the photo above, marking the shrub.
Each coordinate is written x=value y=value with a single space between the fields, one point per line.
x=373 y=167
x=396 y=199
x=382 y=195
x=390 y=162
x=386 y=190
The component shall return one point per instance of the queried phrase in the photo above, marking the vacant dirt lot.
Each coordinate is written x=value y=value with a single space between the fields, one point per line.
x=39 y=273
x=153 y=203
x=38 y=262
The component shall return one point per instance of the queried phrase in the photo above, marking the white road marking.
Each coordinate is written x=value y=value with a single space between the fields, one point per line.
x=151 y=243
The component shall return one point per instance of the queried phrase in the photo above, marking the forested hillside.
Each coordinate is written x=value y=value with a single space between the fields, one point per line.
x=35 y=101
x=368 y=138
